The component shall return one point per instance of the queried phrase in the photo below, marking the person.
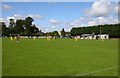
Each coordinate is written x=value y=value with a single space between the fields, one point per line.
x=34 y=38
x=102 y=39
x=48 y=38
x=15 y=37
x=18 y=37
x=11 y=38
x=76 y=38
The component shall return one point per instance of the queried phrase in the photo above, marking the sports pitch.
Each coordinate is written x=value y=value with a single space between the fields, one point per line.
x=60 y=57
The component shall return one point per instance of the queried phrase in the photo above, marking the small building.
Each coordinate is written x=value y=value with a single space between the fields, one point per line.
x=92 y=36
x=103 y=36
x=86 y=36
x=67 y=35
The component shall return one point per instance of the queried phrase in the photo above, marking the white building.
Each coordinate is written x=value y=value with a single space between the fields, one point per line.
x=103 y=36
x=91 y=36
x=86 y=36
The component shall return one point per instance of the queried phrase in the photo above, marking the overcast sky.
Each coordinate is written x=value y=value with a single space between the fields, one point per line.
x=50 y=16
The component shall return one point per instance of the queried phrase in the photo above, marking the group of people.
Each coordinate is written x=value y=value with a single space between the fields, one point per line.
x=15 y=38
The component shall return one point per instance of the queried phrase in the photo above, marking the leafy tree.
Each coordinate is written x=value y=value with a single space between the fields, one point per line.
x=41 y=33
x=63 y=32
x=2 y=27
x=28 y=24
x=34 y=29
x=19 y=27
x=55 y=33
x=5 y=30
x=11 y=26
x=12 y=23
x=23 y=27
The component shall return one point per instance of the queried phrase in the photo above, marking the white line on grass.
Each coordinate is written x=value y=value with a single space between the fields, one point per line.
x=89 y=73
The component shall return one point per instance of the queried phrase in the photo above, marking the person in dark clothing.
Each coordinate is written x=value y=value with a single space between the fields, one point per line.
x=18 y=37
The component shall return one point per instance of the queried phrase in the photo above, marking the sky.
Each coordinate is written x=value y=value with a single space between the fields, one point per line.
x=53 y=16
x=55 y=0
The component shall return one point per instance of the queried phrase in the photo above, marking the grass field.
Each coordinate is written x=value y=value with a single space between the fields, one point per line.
x=0 y=57
x=60 y=57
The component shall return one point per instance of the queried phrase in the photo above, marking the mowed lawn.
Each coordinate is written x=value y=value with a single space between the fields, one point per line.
x=60 y=57
x=0 y=57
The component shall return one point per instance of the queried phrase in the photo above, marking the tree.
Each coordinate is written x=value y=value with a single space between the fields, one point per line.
x=2 y=27
x=55 y=33
x=5 y=30
x=11 y=26
x=41 y=33
x=48 y=34
x=19 y=27
x=34 y=29
x=12 y=23
x=28 y=24
x=63 y=32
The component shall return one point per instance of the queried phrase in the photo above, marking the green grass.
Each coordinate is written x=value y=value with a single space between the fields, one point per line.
x=0 y=57
x=60 y=57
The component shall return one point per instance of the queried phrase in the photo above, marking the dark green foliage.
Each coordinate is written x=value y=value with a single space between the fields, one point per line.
x=54 y=33
x=63 y=32
x=5 y=30
x=19 y=26
x=112 y=30
x=12 y=23
x=28 y=24
x=34 y=29
x=22 y=27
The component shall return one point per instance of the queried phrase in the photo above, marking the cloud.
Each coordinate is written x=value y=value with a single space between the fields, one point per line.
x=100 y=8
x=92 y=23
x=36 y=16
x=53 y=27
x=117 y=9
x=81 y=22
x=52 y=21
x=7 y=19
x=18 y=16
x=102 y=21
x=15 y=17
x=47 y=28
x=10 y=18
x=7 y=7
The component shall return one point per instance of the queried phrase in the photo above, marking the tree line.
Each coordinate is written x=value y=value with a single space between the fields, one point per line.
x=111 y=29
x=25 y=27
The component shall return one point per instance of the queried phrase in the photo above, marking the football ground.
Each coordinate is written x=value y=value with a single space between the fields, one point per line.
x=59 y=57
